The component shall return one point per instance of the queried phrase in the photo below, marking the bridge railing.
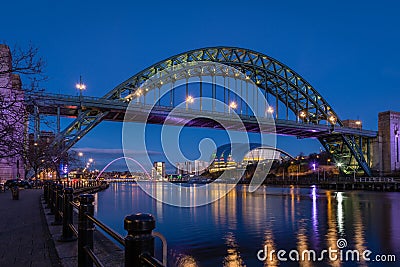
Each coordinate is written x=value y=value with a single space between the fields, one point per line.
x=138 y=243
x=374 y=180
x=58 y=96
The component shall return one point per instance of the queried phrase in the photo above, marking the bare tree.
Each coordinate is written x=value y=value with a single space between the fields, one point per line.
x=21 y=70
x=40 y=157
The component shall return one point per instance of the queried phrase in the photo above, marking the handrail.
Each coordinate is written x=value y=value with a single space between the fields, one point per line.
x=94 y=258
x=139 y=226
x=150 y=260
x=107 y=229
x=164 y=246
x=73 y=204
x=73 y=228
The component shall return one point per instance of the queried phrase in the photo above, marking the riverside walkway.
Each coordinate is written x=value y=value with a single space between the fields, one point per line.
x=24 y=236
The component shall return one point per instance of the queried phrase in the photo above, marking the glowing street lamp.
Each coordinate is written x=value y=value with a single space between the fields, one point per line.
x=332 y=119
x=359 y=124
x=80 y=154
x=270 y=110
x=189 y=100
x=232 y=105
x=80 y=86
x=138 y=93
x=90 y=160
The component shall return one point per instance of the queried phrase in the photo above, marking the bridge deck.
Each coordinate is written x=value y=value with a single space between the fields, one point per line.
x=70 y=105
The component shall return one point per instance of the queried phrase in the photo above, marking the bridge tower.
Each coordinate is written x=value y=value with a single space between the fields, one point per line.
x=389 y=147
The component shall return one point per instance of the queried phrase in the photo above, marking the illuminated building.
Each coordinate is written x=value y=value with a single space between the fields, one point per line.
x=159 y=169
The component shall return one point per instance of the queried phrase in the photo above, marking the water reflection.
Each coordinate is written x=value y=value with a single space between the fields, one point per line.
x=230 y=231
x=232 y=259
x=331 y=235
x=185 y=261
x=302 y=245
x=269 y=246
x=359 y=241
x=340 y=213
x=314 y=211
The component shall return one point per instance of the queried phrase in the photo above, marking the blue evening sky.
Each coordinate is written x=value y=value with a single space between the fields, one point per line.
x=348 y=50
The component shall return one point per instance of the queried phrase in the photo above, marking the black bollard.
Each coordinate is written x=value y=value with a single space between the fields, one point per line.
x=68 y=219
x=50 y=205
x=139 y=240
x=85 y=230
x=57 y=205
x=15 y=192
x=46 y=193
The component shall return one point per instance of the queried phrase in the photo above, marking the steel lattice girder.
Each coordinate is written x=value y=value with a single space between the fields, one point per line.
x=345 y=150
x=269 y=74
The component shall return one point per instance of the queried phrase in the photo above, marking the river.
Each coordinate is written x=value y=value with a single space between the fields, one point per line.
x=233 y=230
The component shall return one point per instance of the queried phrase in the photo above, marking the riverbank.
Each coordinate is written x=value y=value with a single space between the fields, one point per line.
x=109 y=253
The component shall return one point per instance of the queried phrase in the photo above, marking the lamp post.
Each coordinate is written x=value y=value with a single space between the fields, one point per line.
x=332 y=119
x=91 y=163
x=80 y=155
x=303 y=115
x=80 y=86
x=138 y=93
x=189 y=100
x=232 y=105
x=270 y=110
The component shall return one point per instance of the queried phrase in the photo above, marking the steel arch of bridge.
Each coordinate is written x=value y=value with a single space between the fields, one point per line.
x=270 y=75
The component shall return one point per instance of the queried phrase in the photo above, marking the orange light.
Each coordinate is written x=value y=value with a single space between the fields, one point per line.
x=189 y=99
x=332 y=119
x=80 y=86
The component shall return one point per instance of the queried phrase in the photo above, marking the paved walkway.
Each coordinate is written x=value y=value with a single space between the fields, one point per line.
x=24 y=237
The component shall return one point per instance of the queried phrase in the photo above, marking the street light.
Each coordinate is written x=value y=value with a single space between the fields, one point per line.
x=332 y=119
x=80 y=86
x=138 y=93
x=232 y=105
x=189 y=100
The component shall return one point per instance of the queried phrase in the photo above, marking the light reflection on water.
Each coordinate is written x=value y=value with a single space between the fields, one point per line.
x=231 y=231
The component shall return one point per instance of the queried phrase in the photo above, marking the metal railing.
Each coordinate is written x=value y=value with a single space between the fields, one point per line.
x=138 y=243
